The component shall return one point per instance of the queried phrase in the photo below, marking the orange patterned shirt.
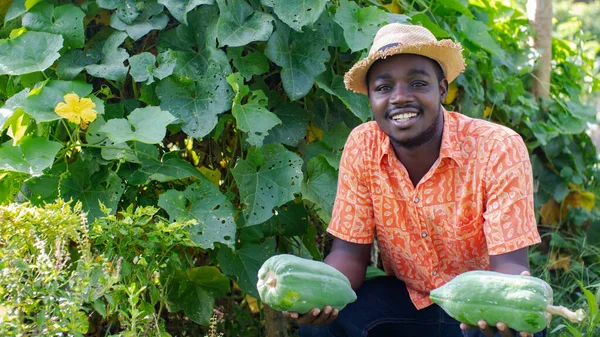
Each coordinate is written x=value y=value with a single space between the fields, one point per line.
x=475 y=201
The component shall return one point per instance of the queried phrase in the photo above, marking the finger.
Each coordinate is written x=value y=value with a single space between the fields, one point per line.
x=526 y=273
x=309 y=317
x=290 y=314
x=526 y=334
x=487 y=330
x=504 y=330
x=324 y=317
x=465 y=326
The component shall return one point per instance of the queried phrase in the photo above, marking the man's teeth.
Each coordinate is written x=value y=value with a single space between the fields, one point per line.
x=403 y=117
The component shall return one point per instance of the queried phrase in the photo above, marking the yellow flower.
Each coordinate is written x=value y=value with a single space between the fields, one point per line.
x=78 y=111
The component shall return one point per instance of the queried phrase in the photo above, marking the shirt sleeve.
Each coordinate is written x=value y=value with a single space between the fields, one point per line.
x=352 y=215
x=509 y=217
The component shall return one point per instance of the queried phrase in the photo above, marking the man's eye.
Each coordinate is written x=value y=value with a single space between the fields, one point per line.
x=419 y=84
x=382 y=88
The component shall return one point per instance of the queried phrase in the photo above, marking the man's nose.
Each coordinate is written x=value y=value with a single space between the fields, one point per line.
x=401 y=95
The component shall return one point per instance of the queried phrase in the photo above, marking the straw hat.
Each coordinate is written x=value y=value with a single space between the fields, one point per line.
x=396 y=38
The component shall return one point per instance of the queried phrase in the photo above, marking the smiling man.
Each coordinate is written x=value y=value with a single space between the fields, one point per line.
x=442 y=193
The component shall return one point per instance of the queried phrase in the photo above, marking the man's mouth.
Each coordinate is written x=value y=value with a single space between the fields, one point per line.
x=404 y=116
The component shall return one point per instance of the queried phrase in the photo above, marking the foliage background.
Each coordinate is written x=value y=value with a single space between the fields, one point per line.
x=219 y=131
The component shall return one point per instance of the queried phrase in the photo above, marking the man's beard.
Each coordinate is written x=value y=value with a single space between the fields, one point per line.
x=424 y=137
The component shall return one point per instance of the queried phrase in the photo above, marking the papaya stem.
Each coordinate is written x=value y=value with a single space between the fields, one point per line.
x=573 y=316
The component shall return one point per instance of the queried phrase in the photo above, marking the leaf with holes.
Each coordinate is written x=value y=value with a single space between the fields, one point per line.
x=29 y=52
x=66 y=20
x=357 y=103
x=297 y=14
x=294 y=121
x=150 y=18
x=203 y=202
x=252 y=117
x=320 y=186
x=243 y=264
x=360 y=24
x=239 y=24
x=268 y=177
x=302 y=57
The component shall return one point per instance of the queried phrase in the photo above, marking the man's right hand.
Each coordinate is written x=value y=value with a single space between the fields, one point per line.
x=315 y=316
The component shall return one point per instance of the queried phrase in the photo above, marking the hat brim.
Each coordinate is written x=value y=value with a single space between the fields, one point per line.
x=446 y=52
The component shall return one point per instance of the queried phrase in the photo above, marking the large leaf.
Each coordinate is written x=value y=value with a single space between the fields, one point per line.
x=85 y=181
x=243 y=264
x=32 y=156
x=358 y=104
x=74 y=61
x=293 y=127
x=268 y=177
x=239 y=24
x=252 y=117
x=111 y=65
x=320 y=186
x=297 y=14
x=253 y=63
x=29 y=52
x=194 y=291
x=170 y=167
x=196 y=104
x=360 y=24
x=203 y=202
x=302 y=57
x=150 y=18
x=180 y=8
x=477 y=32
x=11 y=106
x=41 y=102
x=66 y=20
x=146 y=125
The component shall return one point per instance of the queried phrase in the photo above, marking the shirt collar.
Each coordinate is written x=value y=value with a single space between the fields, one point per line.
x=450 y=147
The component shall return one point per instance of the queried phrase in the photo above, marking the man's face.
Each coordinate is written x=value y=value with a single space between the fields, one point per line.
x=405 y=95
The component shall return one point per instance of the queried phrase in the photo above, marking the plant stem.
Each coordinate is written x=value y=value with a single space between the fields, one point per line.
x=573 y=316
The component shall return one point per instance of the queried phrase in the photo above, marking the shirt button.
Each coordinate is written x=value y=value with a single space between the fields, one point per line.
x=424 y=234
x=416 y=200
x=434 y=273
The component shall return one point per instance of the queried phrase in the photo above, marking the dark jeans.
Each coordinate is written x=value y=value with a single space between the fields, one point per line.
x=384 y=309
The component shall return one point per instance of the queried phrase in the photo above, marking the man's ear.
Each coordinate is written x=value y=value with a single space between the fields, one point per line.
x=443 y=90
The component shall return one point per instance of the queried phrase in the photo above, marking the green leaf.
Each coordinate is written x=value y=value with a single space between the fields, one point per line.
x=180 y=8
x=111 y=63
x=203 y=202
x=425 y=21
x=320 y=186
x=267 y=178
x=33 y=156
x=360 y=24
x=194 y=292
x=297 y=14
x=144 y=70
x=16 y=9
x=252 y=117
x=458 y=6
x=66 y=20
x=243 y=264
x=239 y=24
x=302 y=57
x=91 y=184
x=477 y=32
x=170 y=167
x=12 y=105
x=40 y=103
x=291 y=219
x=146 y=125
x=150 y=18
x=74 y=61
x=196 y=104
x=358 y=104
x=294 y=121
x=17 y=125
x=253 y=63
x=29 y=52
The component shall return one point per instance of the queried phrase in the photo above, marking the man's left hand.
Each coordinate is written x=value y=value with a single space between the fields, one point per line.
x=490 y=331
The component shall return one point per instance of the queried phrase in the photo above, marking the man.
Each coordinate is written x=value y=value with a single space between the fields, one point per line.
x=442 y=193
